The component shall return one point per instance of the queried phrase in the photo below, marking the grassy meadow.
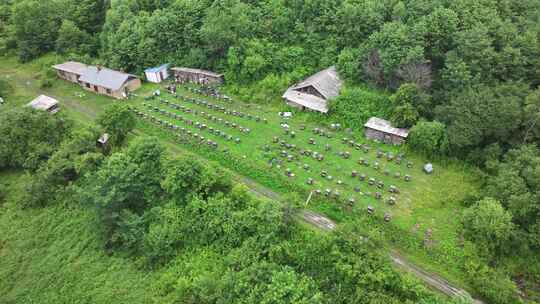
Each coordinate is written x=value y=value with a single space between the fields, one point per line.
x=426 y=203
x=54 y=255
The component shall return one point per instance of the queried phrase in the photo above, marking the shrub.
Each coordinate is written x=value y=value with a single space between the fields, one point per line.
x=29 y=137
x=492 y=285
x=356 y=105
x=488 y=225
x=118 y=121
x=5 y=88
x=164 y=235
x=48 y=75
x=404 y=116
x=65 y=166
x=3 y=192
x=429 y=138
x=348 y=64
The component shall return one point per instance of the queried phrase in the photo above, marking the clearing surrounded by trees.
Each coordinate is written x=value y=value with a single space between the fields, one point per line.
x=272 y=151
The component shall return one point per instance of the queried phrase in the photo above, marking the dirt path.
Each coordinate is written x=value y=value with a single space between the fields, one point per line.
x=432 y=280
x=319 y=221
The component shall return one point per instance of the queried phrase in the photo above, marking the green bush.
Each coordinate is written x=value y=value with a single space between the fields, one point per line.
x=65 y=166
x=29 y=137
x=3 y=192
x=5 y=88
x=348 y=64
x=488 y=225
x=492 y=285
x=117 y=120
x=429 y=138
x=48 y=75
x=355 y=105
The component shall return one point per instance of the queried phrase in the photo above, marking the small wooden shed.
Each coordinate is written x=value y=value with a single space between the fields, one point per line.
x=315 y=92
x=380 y=129
x=45 y=103
x=198 y=76
x=157 y=74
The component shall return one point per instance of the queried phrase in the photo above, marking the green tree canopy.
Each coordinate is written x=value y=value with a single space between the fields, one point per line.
x=186 y=178
x=429 y=138
x=515 y=184
x=36 y=25
x=126 y=185
x=72 y=40
x=480 y=115
x=117 y=120
x=29 y=137
x=488 y=225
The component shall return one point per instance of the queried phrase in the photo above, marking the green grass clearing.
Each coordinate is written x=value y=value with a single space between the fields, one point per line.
x=425 y=202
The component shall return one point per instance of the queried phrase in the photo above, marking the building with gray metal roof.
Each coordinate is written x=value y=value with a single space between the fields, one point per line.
x=71 y=67
x=315 y=92
x=98 y=79
x=104 y=77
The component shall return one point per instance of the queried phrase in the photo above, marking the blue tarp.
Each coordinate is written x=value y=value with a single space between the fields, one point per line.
x=157 y=69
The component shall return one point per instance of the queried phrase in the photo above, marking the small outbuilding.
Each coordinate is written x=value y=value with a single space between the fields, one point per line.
x=198 y=76
x=380 y=129
x=315 y=92
x=45 y=103
x=157 y=74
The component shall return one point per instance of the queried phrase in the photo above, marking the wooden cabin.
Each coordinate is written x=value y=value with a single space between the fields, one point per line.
x=45 y=103
x=315 y=92
x=186 y=75
x=382 y=130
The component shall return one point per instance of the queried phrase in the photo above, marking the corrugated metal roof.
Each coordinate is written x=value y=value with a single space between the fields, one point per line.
x=386 y=127
x=157 y=69
x=307 y=100
x=106 y=78
x=197 y=71
x=326 y=82
x=71 y=67
x=43 y=102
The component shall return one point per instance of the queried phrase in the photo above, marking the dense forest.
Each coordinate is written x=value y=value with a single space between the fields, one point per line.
x=464 y=75
x=472 y=66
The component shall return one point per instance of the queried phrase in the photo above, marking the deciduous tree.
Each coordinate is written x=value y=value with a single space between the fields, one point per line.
x=117 y=120
x=488 y=225
x=429 y=138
